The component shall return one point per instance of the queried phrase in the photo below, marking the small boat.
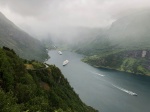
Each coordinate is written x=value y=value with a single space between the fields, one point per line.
x=133 y=94
x=65 y=62
x=59 y=52
x=130 y=92
x=127 y=91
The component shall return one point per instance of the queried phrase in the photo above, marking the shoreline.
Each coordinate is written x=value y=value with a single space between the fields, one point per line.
x=113 y=69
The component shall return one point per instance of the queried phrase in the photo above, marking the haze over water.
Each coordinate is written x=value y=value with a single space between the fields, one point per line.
x=105 y=90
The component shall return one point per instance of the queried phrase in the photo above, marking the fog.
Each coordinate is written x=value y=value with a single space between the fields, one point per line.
x=52 y=18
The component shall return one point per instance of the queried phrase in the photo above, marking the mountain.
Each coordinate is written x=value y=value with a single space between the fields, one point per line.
x=124 y=46
x=23 y=44
x=94 y=43
x=48 y=43
x=131 y=30
x=31 y=86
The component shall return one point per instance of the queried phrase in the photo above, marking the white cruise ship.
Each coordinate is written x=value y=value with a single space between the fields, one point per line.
x=65 y=62
x=59 y=52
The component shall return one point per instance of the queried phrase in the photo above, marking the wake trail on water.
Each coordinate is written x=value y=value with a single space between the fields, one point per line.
x=124 y=90
x=97 y=74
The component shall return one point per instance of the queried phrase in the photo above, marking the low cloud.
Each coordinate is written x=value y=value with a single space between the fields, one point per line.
x=41 y=17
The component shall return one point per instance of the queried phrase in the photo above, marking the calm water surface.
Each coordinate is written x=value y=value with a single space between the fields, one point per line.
x=105 y=90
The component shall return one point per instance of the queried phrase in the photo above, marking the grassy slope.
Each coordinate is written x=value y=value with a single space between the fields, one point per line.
x=30 y=86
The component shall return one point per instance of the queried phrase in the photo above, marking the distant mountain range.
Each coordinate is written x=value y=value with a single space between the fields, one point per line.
x=24 y=45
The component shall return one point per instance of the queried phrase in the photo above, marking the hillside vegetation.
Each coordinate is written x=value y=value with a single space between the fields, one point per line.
x=31 y=86
x=124 y=46
x=128 y=61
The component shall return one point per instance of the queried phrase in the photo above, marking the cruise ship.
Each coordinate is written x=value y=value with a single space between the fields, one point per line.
x=65 y=62
x=59 y=52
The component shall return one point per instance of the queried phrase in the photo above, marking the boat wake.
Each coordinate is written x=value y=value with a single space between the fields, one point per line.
x=98 y=74
x=124 y=90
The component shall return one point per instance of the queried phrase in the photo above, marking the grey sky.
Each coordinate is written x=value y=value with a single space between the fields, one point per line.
x=38 y=17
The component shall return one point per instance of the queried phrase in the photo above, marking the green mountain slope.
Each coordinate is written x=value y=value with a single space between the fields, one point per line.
x=124 y=46
x=123 y=60
x=131 y=31
x=23 y=44
x=31 y=86
x=94 y=44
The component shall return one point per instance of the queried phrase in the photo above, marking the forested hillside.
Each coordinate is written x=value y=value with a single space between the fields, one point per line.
x=31 y=86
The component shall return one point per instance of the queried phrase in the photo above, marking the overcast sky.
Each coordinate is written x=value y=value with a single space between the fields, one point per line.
x=38 y=17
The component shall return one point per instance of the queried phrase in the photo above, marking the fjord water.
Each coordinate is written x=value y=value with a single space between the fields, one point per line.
x=105 y=90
